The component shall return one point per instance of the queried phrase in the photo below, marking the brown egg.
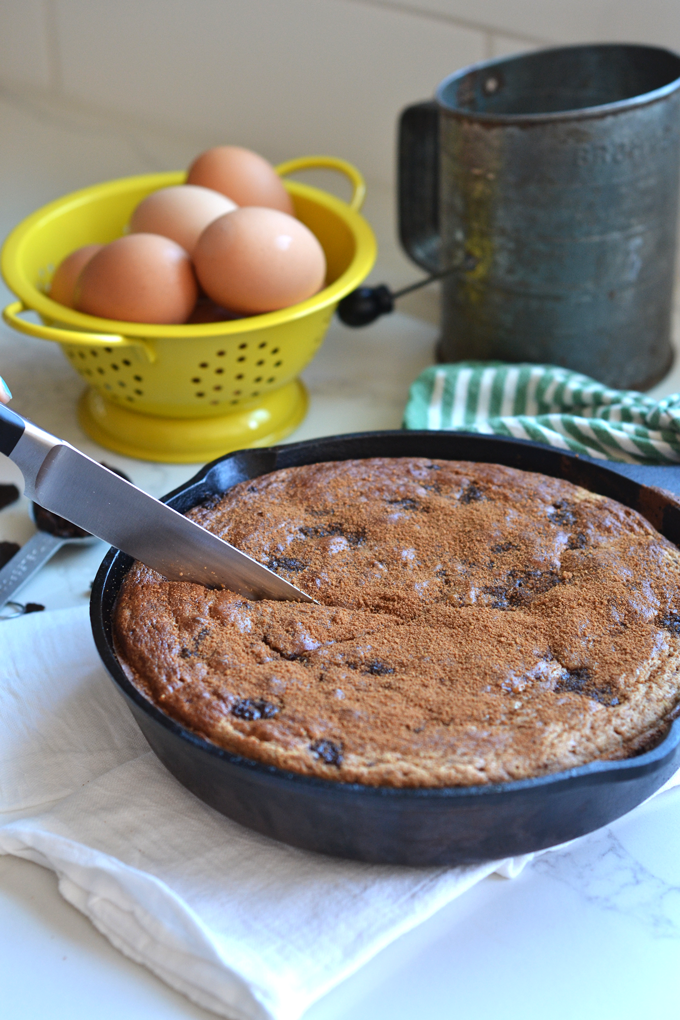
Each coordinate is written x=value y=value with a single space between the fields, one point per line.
x=181 y=213
x=257 y=260
x=206 y=310
x=242 y=175
x=138 y=278
x=63 y=285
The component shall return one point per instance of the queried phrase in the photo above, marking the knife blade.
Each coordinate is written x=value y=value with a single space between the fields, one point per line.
x=67 y=482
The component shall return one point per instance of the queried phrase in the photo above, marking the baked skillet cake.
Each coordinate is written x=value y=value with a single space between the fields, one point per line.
x=476 y=624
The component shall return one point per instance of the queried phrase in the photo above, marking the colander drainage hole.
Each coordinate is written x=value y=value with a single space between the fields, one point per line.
x=109 y=350
x=271 y=379
x=220 y=354
x=203 y=364
x=126 y=362
x=81 y=354
x=217 y=388
x=196 y=379
x=140 y=393
x=114 y=367
x=138 y=378
x=101 y=371
x=121 y=383
x=200 y=394
x=259 y=379
x=259 y=362
x=275 y=350
x=240 y=375
x=255 y=393
x=242 y=347
x=263 y=344
x=277 y=364
x=95 y=354
x=242 y=358
x=219 y=371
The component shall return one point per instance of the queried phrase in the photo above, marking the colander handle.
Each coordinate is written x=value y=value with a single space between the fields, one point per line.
x=294 y=166
x=12 y=316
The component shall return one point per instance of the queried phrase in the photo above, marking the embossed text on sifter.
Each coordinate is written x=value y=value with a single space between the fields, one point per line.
x=547 y=183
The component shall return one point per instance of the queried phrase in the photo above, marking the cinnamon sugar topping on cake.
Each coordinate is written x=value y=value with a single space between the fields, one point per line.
x=476 y=624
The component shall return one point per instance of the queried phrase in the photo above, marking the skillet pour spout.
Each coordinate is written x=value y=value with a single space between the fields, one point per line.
x=407 y=826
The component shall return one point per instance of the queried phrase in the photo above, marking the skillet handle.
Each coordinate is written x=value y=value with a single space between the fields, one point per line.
x=661 y=476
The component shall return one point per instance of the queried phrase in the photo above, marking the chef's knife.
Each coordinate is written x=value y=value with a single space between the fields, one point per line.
x=65 y=481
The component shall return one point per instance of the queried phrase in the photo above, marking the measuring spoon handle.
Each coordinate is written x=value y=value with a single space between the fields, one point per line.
x=24 y=564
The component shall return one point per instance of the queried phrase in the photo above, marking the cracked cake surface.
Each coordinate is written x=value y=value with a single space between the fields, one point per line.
x=476 y=624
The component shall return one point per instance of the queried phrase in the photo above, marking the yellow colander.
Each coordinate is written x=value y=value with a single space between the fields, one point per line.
x=185 y=393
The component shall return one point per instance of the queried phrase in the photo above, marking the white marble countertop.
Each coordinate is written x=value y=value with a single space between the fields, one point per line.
x=589 y=931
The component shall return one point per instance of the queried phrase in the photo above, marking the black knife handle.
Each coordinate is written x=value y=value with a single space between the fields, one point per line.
x=12 y=428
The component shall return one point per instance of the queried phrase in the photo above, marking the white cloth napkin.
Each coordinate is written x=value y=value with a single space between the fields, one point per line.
x=242 y=925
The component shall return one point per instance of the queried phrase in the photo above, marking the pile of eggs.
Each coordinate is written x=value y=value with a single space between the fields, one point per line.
x=224 y=245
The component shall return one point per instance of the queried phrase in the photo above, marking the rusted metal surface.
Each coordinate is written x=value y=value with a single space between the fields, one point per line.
x=548 y=183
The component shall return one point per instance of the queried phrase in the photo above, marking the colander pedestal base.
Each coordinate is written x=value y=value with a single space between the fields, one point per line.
x=192 y=440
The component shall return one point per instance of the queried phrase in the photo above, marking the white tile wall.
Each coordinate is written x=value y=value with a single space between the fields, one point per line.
x=288 y=76
x=508 y=45
x=653 y=21
x=25 y=43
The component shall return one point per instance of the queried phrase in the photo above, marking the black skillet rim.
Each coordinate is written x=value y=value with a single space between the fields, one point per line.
x=115 y=565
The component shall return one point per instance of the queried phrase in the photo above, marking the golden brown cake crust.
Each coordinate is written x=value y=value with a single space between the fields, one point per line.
x=476 y=624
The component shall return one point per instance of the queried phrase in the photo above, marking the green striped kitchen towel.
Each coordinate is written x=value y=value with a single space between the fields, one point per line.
x=548 y=405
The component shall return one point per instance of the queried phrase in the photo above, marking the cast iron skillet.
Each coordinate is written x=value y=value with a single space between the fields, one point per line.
x=455 y=825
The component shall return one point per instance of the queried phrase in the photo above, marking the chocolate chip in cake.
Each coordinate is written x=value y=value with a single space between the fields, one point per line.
x=499 y=596
x=521 y=588
x=471 y=494
x=525 y=585
x=378 y=669
x=327 y=752
x=671 y=622
x=604 y=695
x=254 y=708
x=211 y=502
x=286 y=563
x=353 y=538
x=405 y=504
x=561 y=512
x=579 y=681
x=502 y=547
x=573 y=680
